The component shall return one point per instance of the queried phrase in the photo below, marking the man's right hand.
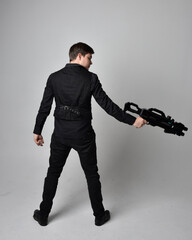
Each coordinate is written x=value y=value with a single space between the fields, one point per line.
x=139 y=122
x=38 y=139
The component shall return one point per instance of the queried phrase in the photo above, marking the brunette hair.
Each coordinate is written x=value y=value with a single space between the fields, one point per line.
x=77 y=48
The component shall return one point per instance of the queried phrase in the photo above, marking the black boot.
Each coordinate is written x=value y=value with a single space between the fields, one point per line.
x=103 y=219
x=42 y=220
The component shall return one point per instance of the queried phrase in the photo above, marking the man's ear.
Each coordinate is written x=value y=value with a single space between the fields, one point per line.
x=79 y=56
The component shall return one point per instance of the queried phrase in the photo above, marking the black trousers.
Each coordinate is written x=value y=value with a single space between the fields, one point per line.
x=60 y=149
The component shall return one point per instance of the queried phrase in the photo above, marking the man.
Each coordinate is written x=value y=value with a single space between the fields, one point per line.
x=72 y=88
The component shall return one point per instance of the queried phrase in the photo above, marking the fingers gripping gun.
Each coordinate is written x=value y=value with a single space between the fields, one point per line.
x=156 y=117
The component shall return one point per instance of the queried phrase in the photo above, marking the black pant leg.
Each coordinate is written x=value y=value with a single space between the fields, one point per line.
x=57 y=160
x=87 y=153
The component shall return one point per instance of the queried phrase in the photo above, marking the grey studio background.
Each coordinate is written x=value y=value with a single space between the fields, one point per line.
x=143 y=54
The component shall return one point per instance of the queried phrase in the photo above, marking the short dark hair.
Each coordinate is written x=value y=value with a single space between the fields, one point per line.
x=77 y=48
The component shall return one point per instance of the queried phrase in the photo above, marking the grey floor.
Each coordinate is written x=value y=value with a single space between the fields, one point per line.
x=139 y=209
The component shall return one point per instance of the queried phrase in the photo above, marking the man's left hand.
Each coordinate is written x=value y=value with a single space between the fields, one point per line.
x=38 y=139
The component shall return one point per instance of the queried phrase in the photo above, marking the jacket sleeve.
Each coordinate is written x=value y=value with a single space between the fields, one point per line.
x=107 y=104
x=45 y=107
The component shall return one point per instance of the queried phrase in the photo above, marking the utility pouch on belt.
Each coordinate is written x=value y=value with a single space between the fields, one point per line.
x=67 y=113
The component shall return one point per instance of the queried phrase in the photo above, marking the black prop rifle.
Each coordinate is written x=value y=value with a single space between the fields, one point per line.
x=156 y=117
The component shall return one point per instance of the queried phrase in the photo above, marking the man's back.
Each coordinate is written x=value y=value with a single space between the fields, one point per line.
x=71 y=88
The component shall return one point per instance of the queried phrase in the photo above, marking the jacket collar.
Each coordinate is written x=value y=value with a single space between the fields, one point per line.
x=74 y=65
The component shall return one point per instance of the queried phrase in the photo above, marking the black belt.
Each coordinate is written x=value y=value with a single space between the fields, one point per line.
x=74 y=110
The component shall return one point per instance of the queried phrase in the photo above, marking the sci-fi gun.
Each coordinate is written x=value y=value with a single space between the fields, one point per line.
x=156 y=117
